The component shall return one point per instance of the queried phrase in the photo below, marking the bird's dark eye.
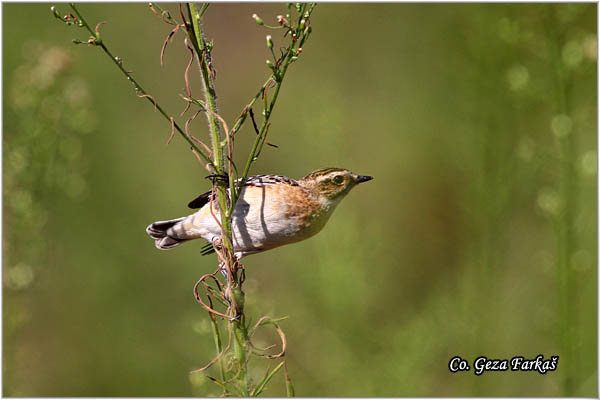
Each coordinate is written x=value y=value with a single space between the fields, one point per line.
x=338 y=179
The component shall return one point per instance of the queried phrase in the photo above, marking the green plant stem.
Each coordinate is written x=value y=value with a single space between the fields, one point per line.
x=138 y=87
x=278 y=79
x=240 y=349
x=218 y=345
x=242 y=118
x=240 y=334
x=265 y=122
x=196 y=36
x=261 y=385
x=289 y=387
x=203 y=54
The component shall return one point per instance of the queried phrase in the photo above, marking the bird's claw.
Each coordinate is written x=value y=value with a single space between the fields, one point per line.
x=215 y=177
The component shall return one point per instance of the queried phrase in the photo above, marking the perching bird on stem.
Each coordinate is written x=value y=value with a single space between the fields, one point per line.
x=272 y=211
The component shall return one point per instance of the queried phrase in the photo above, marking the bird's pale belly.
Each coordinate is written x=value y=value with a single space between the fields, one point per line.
x=273 y=221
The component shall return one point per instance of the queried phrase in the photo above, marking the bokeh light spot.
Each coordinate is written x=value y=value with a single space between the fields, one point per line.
x=561 y=125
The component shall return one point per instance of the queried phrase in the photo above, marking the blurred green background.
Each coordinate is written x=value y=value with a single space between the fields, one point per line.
x=477 y=237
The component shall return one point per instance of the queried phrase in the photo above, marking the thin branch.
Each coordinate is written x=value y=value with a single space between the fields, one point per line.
x=261 y=385
x=301 y=32
x=139 y=90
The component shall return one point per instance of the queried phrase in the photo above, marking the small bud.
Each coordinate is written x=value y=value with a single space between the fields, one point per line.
x=119 y=60
x=258 y=19
x=269 y=41
x=76 y=41
x=294 y=37
x=299 y=50
x=298 y=6
x=94 y=41
x=302 y=23
x=294 y=58
x=270 y=65
x=57 y=15
x=281 y=20
x=308 y=30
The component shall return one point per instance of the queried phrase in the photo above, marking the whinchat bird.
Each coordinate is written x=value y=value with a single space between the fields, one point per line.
x=272 y=211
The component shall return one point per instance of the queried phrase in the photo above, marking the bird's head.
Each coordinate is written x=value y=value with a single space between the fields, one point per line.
x=332 y=183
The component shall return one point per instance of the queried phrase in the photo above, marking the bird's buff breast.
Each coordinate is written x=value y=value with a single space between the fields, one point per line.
x=267 y=217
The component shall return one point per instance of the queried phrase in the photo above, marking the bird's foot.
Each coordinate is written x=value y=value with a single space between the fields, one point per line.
x=215 y=177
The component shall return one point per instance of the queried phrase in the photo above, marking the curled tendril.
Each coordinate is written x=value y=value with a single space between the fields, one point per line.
x=192 y=137
x=166 y=42
x=186 y=77
x=269 y=321
x=172 y=131
x=199 y=298
x=147 y=96
x=98 y=28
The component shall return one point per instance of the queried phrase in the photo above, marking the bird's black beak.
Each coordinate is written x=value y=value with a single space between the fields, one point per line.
x=363 y=178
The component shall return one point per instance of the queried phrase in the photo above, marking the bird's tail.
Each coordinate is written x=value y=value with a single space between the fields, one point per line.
x=167 y=234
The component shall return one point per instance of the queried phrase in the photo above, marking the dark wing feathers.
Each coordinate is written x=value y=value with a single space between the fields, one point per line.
x=257 y=180
x=199 y=201
x=207 y=249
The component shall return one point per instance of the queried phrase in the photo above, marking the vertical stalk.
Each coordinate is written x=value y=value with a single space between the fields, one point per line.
x=268 y=111
x=240 y=349
x=196 y=35
x=278 y=77
x=218 y=344
x=236 y=295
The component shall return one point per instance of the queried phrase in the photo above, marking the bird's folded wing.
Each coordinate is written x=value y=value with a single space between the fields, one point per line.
x=199 y=201
x=257 y=180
